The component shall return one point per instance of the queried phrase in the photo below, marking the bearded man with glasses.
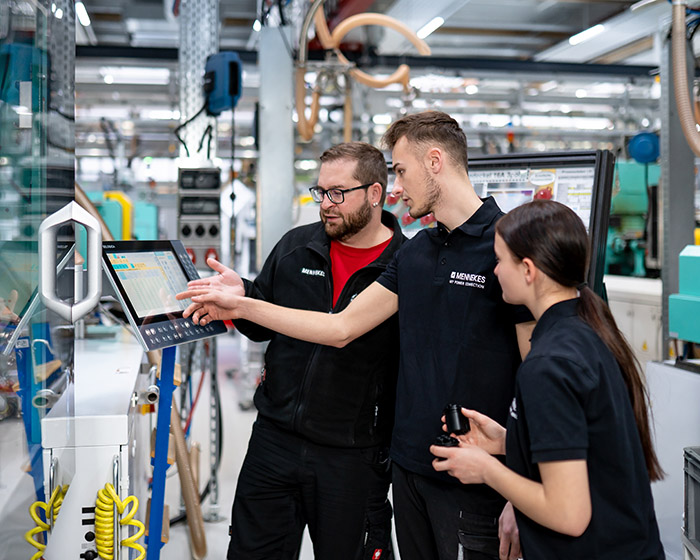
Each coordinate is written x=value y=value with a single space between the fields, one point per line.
x=318 y=455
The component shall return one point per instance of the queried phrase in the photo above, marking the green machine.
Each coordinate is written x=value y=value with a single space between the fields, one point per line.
x=627 y=231
x=684 y=307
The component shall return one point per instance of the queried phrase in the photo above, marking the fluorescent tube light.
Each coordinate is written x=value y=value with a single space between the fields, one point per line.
x=586 y=34
x=82 y=14
x=429 y=27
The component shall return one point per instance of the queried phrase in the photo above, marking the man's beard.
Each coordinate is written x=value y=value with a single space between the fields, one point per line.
x=349 y=225
x=432 y=197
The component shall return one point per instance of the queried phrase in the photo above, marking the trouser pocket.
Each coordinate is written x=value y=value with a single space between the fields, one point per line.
x=478 y=536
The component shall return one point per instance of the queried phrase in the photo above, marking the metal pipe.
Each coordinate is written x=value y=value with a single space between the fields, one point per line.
x=46 y=398
x=53 y=468
x=303 y=37
x=117 y=525
x=679 y=51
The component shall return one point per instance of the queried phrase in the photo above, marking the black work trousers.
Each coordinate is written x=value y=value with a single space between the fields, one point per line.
x=287 y=482
x=439 y=521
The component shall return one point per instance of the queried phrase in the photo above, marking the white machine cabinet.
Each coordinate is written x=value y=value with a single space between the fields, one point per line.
x=675 y=394
x=94 y=421
x=636 y=305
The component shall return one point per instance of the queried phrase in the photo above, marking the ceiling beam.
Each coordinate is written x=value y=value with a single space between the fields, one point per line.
x=626 y=51
x=485 y=32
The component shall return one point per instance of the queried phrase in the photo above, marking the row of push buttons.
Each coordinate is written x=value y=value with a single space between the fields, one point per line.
x=180 y=331
x=189 y=267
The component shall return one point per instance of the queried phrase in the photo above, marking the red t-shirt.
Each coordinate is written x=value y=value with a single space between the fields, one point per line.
x=345 y=261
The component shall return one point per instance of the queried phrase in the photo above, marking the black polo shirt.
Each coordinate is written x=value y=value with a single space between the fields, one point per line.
x=458 y=342
x=571 y=402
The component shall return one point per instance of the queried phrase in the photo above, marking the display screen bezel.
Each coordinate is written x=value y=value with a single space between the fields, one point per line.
x=141 y=247
x=602 y=162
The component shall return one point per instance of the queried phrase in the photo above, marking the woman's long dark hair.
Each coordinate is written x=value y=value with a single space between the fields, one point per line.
x=555 y=239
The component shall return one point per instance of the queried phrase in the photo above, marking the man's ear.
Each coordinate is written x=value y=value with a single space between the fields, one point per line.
x=436 y=159
x=375 y=194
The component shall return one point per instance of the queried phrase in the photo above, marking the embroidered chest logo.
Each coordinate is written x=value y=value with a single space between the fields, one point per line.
x=513 y=410
x=313 y=272
x=468 y=280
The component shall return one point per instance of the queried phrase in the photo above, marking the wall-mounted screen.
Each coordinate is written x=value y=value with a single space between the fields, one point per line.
x=581 y=180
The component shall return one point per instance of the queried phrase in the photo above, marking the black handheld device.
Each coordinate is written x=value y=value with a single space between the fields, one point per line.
x=455 y=421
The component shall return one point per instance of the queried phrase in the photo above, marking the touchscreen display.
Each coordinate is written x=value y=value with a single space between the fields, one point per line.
x=151 y=279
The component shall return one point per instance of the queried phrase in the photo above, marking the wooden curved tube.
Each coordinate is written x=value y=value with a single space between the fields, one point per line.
x=332 y=41
x=305 y=126
x=358 y=20
x=190 y=494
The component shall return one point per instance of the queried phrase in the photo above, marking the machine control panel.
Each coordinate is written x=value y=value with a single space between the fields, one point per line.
x=199 y=213
x=146 y=276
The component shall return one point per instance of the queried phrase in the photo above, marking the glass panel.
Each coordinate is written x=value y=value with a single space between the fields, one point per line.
x=37 y=46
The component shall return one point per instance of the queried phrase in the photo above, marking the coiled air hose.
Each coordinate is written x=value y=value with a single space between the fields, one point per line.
x=42 y=526
x=107 y=497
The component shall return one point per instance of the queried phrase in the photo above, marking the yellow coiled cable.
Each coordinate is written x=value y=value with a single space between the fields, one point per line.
x=107 y=497
x=42 y=526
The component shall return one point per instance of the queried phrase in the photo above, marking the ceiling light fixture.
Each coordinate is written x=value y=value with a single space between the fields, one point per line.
x=257 y=26
x=429 y=27
x=82 y=14
x=586 y=34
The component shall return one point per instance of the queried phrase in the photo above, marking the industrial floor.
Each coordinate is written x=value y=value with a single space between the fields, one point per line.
x=238 y=361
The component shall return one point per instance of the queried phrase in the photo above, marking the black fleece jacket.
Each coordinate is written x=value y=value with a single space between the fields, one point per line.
x=342 y=397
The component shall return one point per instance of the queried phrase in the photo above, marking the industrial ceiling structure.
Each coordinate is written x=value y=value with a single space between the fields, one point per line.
x=585 y=68
x=520 y=29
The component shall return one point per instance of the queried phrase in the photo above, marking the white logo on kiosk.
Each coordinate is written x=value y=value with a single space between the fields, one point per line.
x=468 y=280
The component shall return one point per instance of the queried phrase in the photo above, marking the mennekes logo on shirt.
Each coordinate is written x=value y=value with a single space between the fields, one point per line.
x=468 y=280
x=313 y=272
x=513 y=410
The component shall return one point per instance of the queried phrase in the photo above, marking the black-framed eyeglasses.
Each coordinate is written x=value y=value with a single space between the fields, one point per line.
x=336 y=196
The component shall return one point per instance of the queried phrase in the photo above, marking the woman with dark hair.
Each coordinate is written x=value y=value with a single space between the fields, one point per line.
x=579 y=453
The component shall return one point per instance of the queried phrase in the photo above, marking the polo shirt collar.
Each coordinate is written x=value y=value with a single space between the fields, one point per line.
x=479 y=221
x=558 y=311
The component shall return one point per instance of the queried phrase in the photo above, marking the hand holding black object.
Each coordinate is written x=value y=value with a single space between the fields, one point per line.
x=454 y=420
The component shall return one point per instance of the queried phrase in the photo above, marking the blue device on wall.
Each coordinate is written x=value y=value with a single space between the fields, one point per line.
x=18 y=63
x=223 y=81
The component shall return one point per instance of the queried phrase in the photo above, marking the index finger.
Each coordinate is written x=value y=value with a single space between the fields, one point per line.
x=474 y=415
x=198 y=282
x=187 y=294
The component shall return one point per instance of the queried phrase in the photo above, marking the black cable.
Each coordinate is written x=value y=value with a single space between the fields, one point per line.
x=207 y=134
x=108 y=140
x=233 y=142
x=283 y=20
x=183 y=125
x=265 y=12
